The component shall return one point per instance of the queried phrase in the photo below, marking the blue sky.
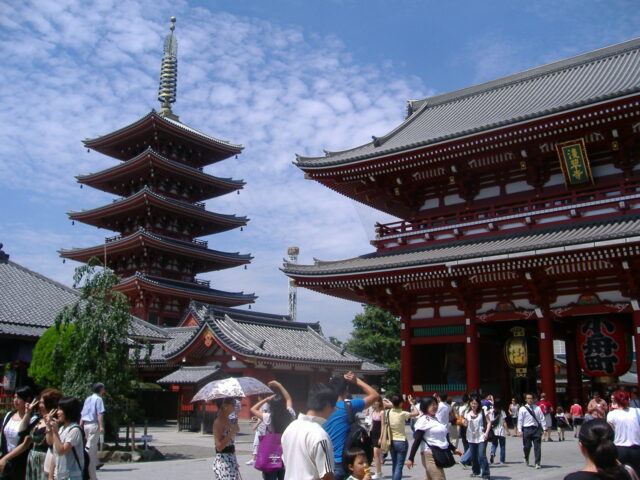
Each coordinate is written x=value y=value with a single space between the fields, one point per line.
x=281 y=77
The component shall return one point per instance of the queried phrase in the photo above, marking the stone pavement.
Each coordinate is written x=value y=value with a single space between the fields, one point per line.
x=189 y=456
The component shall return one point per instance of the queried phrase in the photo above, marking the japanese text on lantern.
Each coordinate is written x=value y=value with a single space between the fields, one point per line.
x=599 y=348
x=574 y=162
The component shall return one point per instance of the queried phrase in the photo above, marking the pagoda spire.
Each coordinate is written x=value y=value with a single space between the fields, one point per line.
x=169 y=73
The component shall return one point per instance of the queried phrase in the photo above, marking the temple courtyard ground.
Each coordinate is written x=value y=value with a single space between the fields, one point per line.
x=189 y=456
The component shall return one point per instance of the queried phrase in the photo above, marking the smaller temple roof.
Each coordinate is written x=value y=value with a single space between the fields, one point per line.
x=190 y=375
x=177 y=339
x=262 y=336
x=585 y=79
x=29 y=302
x=272 y=339
x=544 y=240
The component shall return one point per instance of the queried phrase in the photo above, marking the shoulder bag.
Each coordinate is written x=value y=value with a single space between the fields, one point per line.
x=269 y=454
x=538 y=432
x=443 y=457
x=385 y=443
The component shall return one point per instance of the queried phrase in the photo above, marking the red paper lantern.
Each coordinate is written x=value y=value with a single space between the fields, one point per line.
x=604 y=346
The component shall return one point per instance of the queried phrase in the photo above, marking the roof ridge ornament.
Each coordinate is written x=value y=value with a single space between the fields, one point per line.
x=169 y=73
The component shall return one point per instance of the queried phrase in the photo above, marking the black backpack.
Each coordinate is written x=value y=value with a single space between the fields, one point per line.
x=357 y=436
x=87 y=459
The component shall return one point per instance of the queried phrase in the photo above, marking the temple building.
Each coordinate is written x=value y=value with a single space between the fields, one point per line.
x=160 y=211
x=519 y=208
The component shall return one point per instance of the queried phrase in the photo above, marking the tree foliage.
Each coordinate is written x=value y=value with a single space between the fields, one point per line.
x=376 y=335
x=51 y=349
x=98 y=344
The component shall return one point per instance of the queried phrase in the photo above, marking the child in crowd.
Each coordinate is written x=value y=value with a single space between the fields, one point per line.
x=561 y=423
x=356 y=462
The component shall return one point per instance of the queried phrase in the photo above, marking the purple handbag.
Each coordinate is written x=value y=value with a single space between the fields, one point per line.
x=269 y=456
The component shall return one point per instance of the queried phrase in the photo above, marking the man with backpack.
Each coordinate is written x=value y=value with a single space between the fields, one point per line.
x=340 y=425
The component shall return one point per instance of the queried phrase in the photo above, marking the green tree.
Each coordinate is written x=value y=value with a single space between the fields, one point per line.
x=376 y=335
x=98 y=344
x=51 y=349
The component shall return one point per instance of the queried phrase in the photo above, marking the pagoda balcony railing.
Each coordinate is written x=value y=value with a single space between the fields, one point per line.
x=200 y=243
x=112 y=239
x=196 y=281
x=542 y=209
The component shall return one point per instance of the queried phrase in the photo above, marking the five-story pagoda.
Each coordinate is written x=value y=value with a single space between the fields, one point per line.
x=161 y=212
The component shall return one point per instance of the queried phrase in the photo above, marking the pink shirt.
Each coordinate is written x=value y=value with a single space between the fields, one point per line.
x=575 y=410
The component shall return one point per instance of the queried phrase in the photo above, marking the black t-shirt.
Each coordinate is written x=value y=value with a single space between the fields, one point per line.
x=593 y=476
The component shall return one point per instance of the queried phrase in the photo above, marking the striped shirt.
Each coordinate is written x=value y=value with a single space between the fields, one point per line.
x=306 y=449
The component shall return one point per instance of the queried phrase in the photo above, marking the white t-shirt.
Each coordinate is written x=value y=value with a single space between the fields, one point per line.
x=626 y=424
x=12 y=433
x=475 y=429
x=307 y=452
x=498 y=430
x=442 y=415
x=66 y=464
x=434 y=432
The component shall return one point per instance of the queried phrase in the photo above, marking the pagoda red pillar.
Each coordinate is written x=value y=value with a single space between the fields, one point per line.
x=406 y=371
x=636 y=335
x=472 y=353
x=574 y=376
x=545 y=346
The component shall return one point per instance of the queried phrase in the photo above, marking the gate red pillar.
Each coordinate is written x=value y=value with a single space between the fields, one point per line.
x=636 y=335
x=545 y=347
x=574 y=375
x=472 y=354
x=406 y=370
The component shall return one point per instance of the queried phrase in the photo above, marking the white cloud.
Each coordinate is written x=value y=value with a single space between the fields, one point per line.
x=82 y=69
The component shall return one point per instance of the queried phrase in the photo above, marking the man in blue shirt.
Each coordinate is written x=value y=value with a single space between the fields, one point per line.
x=337 y=425
x=92 y=421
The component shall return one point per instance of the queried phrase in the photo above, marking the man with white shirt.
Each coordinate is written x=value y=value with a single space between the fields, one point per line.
x=531 y=424
x=92 y=421
x=307 y=452
x=444 y=410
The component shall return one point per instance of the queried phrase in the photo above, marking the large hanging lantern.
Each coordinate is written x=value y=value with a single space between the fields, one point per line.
x=604 y=347
x=516 y=352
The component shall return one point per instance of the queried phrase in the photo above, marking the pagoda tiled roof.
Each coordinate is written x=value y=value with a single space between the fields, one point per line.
x=586 y=79
x=190 y=376
x=175 y=125
x=226 y=183
x=232 y=221
x=185 y=289
x=565 y=238
x=162 y=242
x=30 y=302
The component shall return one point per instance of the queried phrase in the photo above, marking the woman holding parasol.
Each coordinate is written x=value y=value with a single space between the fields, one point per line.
x=225 y=393
x=225 y=463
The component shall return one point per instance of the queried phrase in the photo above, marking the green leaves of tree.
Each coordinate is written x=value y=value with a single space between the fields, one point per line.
x=89 y=342
x=376 y=335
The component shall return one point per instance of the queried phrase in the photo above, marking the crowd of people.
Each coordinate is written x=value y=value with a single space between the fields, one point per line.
x=46 y=436
x=318 y=444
